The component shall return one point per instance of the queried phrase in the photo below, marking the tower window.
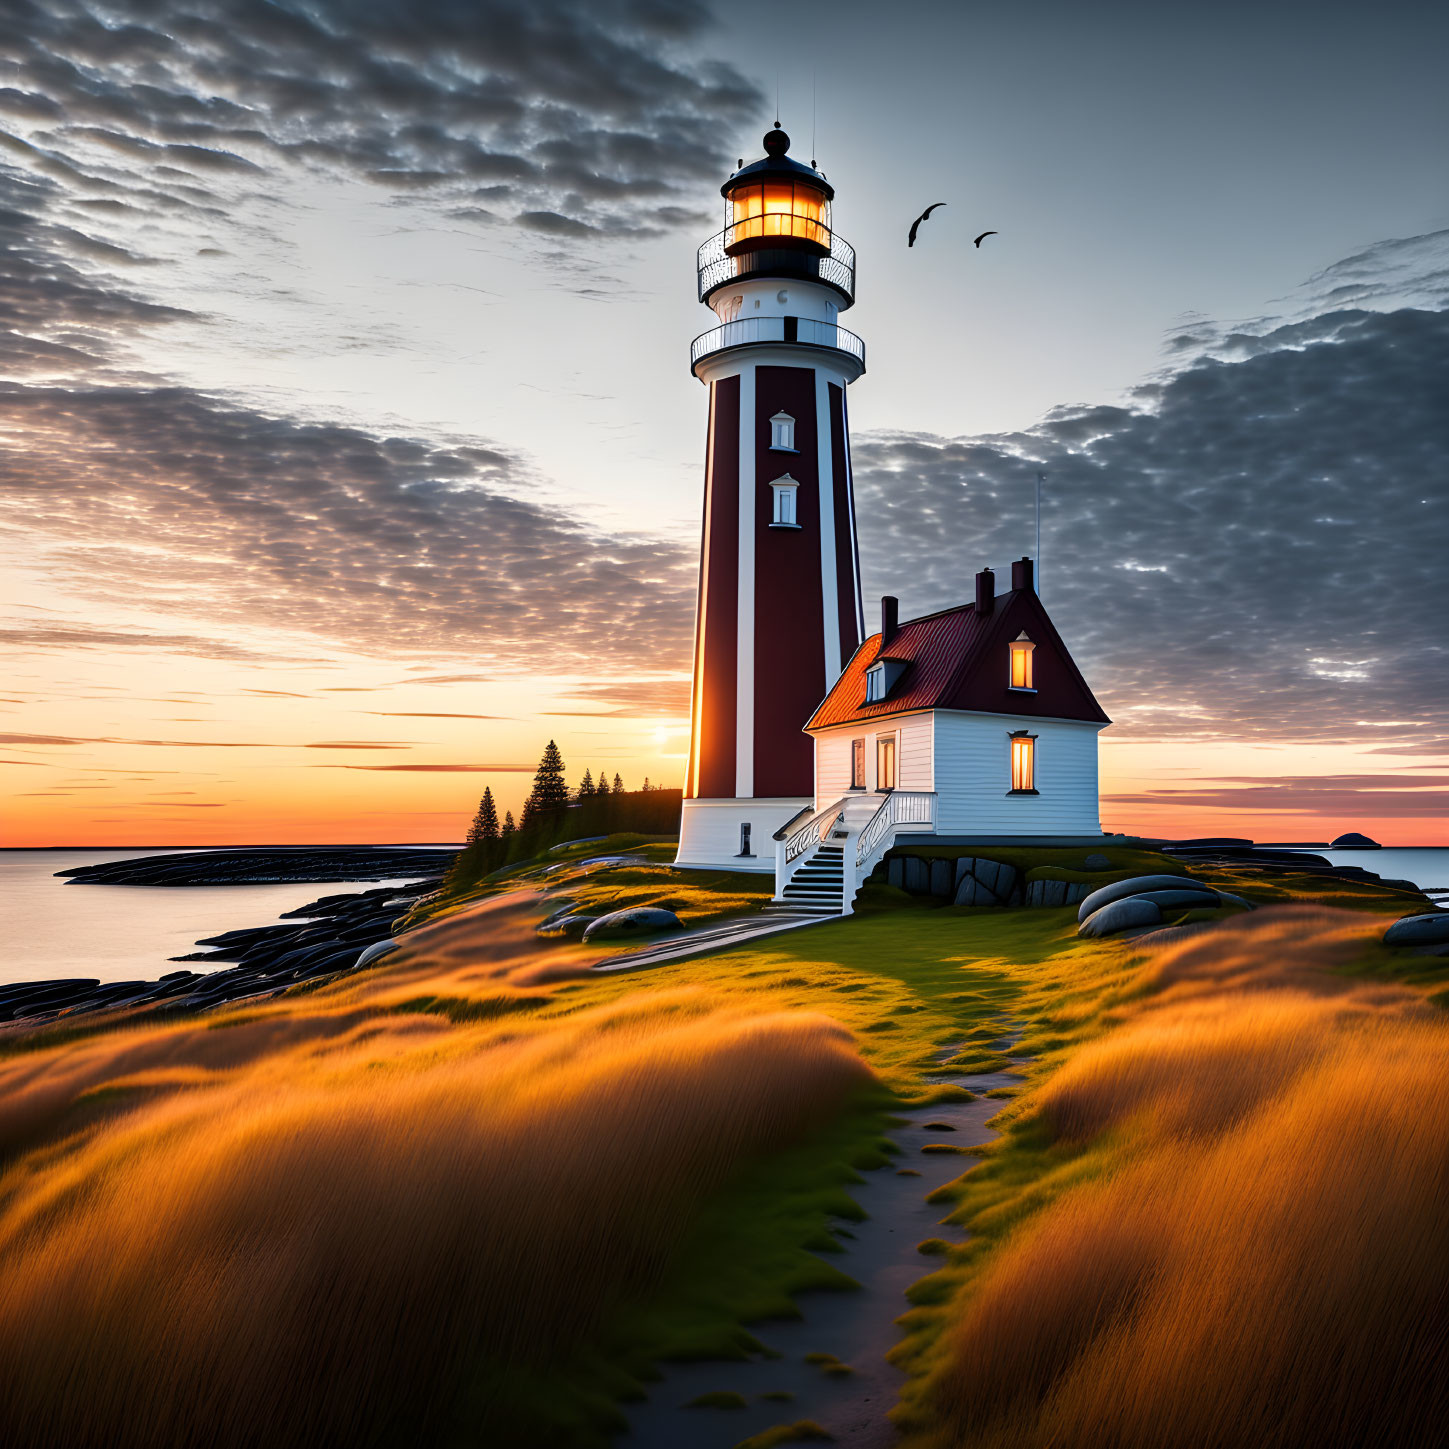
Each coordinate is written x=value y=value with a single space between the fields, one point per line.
x=857 y=764
x=785 y=513
x=1023 y=764
x=1021 y=652
x=885 y=762
x=782 y=433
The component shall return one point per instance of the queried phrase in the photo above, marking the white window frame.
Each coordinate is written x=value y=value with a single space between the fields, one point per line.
x=893 y=741
x=1023 y=646
x=875 y=683
x=785 y=502
x=782 y=434
x=857 y=763
x=1022 y=737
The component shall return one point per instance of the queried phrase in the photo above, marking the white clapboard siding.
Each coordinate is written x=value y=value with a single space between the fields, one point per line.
x=915 y=755
x=973 y=777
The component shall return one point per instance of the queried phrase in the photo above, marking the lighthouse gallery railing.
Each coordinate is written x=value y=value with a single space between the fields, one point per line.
x=777 y=329
x=716 y=267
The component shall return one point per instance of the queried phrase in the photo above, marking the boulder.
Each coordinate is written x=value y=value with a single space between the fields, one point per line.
x=1182 y=900
x=972 y=893
x=1426 y=930
x=640 y=921
x=564 y=927
x=896 y=872
x=372 y=952
x=988 y=872
x=1096 y=862
x=1121 y=915
x=1005 y=884
x=966 y=865
x=1354 y=841
x=1119 y=890
x=941 y=882
x=918 y=878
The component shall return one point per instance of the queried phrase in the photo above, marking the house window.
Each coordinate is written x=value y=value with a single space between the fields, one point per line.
x=785 y=513
x=1023 y=764
x=857 y=764
x=1021 y=652
x=885 y=762
x=745 y=838
x=782 y=433
x=875 y=683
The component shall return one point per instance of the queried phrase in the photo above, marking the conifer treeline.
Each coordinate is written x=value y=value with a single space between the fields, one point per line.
x=554 y=813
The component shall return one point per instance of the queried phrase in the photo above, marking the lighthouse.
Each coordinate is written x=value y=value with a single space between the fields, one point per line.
x=779 y=606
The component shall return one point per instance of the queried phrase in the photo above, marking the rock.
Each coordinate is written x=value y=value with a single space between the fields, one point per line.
x=1120 y=915
x=918 y=877
x=1006 y=884
x=1077 y=891
x=1181 y=900
x=372 y=952
x=1096 y=861
x=965 y=866
x=1046 y=893
x=896 y=872
x=988 y=873
x=972 y=893
x=637 y=922
x=941 y=882
x=1230 y=899
x=1118 y=890
x=1426 y=930
x=1354 y=841
x=565 y=926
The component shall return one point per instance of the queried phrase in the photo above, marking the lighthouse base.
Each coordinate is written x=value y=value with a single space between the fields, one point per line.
x=734 y=834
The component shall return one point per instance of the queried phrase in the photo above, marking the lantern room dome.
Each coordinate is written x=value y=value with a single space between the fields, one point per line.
x=775 y=165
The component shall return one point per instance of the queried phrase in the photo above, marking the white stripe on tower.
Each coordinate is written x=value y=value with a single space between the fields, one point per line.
x=745 y=628
x=850 y=493
x=830 y=603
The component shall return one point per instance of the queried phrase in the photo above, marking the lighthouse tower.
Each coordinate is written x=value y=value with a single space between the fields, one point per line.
x=779 y=609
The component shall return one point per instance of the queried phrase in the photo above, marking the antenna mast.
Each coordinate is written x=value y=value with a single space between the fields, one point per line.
x=1040 y=479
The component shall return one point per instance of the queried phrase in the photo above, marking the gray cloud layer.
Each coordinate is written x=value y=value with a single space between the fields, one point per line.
x=569 y=115
x=1250 y=547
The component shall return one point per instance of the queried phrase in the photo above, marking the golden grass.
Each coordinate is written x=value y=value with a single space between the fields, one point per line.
x=320 y=1225
x=1247 y=1244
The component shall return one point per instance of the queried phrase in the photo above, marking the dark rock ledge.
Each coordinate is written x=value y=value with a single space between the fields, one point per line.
x=325 y=938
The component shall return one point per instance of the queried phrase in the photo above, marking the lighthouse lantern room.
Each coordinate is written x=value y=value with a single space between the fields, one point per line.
x=779 y=607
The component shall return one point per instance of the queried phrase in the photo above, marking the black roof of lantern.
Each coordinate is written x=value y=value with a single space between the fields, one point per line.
x=775 y=165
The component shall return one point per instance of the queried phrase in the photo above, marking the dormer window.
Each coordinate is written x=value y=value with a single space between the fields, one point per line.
x=875 y=683
x=782 y=433
x=785 y=513
x=1021 y=675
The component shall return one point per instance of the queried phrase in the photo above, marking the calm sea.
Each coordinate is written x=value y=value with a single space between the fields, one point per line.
x=55 y=928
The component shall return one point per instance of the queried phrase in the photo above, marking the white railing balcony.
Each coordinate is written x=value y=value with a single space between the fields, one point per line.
x=802 y=331
x=913 y=810
x=744 y=249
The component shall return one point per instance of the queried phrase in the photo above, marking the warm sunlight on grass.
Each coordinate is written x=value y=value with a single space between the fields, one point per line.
x=326 y=1223
x=1221 y=1222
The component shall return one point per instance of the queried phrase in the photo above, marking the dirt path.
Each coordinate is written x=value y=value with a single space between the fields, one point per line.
x=857 y=1328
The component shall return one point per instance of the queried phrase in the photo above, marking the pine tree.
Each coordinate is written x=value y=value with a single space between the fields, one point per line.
x=550 y=791
x=586 y=785
x=509 y=828
x=484 y=828
x=618 y=785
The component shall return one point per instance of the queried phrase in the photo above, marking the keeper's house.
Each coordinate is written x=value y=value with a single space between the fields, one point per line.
x=971 y=725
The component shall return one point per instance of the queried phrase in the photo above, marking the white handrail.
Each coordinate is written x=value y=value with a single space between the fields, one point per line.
x=900 y=807
x=813 y=831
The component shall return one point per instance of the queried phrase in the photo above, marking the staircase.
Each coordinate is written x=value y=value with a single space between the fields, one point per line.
x=817 y=887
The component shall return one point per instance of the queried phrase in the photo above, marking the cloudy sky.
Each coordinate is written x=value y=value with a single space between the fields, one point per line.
x=348 y=448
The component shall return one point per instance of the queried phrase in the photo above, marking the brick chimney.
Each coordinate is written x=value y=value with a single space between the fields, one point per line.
x=1021 y=574
x=890 y=613
x=985 y=591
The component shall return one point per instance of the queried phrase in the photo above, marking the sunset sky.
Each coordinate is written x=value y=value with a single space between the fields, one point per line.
x=349 y=449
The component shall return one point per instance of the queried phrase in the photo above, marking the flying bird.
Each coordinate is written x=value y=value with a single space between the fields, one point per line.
x=984 y=235
x=916 y=224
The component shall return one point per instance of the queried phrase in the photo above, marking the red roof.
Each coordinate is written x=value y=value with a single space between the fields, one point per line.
x=958 y=659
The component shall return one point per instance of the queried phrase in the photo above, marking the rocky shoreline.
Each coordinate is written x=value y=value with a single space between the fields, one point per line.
x=325 y=938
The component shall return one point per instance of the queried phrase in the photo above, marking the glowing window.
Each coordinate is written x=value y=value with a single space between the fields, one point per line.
x=1023 y=763
x=857 y=764
x=1021 y=652
x=785 y=514
x=885 y=762
x=782 y=433
x=779 y=208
